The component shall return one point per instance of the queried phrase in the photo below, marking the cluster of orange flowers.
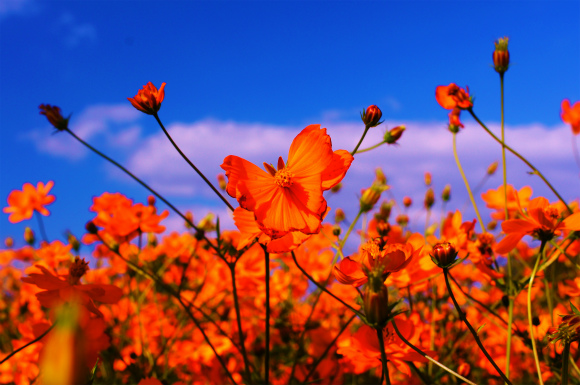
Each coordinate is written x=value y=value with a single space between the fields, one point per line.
x=276 y=301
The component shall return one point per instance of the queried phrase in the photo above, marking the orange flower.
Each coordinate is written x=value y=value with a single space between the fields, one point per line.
x=495 y=199
x=54 y=116
x=61 y=289
x=21 y=204
x=542 y=221
x=148 y=99
x=289 y=198
x=452 y=96
x=571 y=115
x=454 y=121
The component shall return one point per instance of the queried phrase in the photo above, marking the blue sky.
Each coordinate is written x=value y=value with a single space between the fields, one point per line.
x=244 y=78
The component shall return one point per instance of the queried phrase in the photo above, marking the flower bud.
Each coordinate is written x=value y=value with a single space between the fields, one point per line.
x=372 y=116
x=427 y=179
x=407 y=202
x=393 y=135
x=189 y=217
x=339 y=215
x=54 y=116
x=369 y=198
x=380 y=177
x=402 y=220
x=151 y=200
x=151 y=239
x=207 y=223
x=454 y=120
x=222 y=182
x=429 y=198
x=74 y=242
x=336 y=230
x=492 y=168
x=91 y=228
x=376 y=304
x=501 y=55
x=336 y=188
x=492 y=225
x=443 y=254
x=446 y=194
x=29 y=236
x=385 y=210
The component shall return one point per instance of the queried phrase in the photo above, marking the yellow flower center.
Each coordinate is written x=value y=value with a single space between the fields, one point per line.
x=283 y=177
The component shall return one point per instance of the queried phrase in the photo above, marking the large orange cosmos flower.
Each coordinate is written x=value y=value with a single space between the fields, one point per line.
x=22 y=204
x=542 y=221
x=148 y=99
x=571 y=115
x=289 y=198
x=452 y=96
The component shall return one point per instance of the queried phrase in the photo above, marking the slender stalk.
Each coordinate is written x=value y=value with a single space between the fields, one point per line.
x=28 y=344
x=506 y=213
x=383 y=355
x=360 y=141
x=535 y=170
x=574 y=149
x=565 y=362
x=325 y=289
x=239 y=318
x=409 y=344
x=370 y=148
x=41 y=226
x=191 y=164
x=267 y=357
x=466 y=182
x=319 y=360
x=531 y=325
x=471 y=329
x=350 y=228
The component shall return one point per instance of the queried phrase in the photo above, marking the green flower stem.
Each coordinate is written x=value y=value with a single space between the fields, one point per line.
x=232 y=267
x=535 y=171
x=531 y=325
x=506 y=213
x=351 y=227
x=360 y=141
x=28 y=344
x=41 y=226
x=136 y=179
x=466 y=182
x=325 y=289
x=574 y=149
x=267 y=279
x=370 y=148
x=471 y=329
x=191 y=164
x=319 y=360
x=383 y=355
x=409 y=344
x=565 y=362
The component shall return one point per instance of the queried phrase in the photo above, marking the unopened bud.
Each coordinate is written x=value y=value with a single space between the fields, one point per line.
x=443 y=254
x=383 y=228
x=492 y=168
x=9 y=242
x=376 y=304
x=446 y=194
x=464 y=369
x=207 y=223
x=427 y=179
x=91 y=228
x=339 y=215
x=429 y=198
x=370 y=197
x=501 y=55
x=380 y=177
x=74 y=242
x=492 y=225
x=336 y=230
x=151 y=239
x=385 y=210
x=336 y=188
x=222 y=182
x=402 y=220
x=151 y=200
x=29 y=236
x=407 y=202
x=393 y=135
x=189 y=221
x=372 y=116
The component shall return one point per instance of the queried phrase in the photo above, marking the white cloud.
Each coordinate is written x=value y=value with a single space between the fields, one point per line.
x=75 y=33
x=16 y=7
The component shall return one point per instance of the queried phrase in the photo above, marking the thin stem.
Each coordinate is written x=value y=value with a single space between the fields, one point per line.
x=323 y=288
x=360 y=141
x=41 y=226
x=466 y=182
x=565 y=362
x=191 y=164
x=471 y=329
x=267 y=357
x=239 y=318
x=531 y=324
x=383 y=355
x=319 y=360
x=427 y=357
x=574 y=149
x=370 y=148
x=535 y=170
x=28 y=344
x=351 y=227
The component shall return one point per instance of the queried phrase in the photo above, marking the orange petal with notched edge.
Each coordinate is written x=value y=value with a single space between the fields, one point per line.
x=336 y=170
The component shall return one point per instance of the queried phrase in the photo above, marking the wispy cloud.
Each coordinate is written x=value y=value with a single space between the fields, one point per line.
x=17 y=7
x=73 y=32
